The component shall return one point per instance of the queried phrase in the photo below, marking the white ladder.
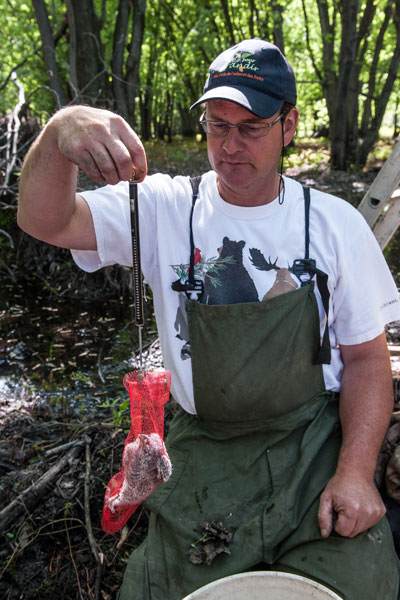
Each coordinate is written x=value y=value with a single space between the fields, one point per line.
x=381 y=204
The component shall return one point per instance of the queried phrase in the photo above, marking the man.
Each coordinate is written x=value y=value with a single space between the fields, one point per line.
x=268 y=305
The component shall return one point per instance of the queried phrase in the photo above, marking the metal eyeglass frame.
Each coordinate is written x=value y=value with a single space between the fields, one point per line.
x=260 y=131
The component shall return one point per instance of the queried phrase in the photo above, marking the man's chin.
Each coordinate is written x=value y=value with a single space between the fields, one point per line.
x=235 y=174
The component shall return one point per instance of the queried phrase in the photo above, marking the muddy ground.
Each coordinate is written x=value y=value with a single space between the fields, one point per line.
x=54 y=469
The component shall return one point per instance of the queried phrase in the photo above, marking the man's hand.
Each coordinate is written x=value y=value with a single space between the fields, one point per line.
x=349 y=506
x=100 y=142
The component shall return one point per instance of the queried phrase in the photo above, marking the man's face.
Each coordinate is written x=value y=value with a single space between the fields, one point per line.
x=247 y=169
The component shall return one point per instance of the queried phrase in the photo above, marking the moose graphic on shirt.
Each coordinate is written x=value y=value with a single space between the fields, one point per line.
x=228 y=281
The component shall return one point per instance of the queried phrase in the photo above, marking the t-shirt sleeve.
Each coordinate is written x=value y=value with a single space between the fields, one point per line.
x=164 y=205
x=109 y=208
x=365 y=298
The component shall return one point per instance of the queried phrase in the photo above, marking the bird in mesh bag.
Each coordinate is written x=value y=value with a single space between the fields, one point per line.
x=145 y=465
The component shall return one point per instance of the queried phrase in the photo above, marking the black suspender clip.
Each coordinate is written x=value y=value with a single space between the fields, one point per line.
x=304 y=269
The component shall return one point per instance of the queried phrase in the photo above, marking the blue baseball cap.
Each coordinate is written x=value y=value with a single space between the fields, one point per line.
x=254 y=74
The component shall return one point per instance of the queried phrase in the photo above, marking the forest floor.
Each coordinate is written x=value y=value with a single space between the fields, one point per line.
x=53 y=471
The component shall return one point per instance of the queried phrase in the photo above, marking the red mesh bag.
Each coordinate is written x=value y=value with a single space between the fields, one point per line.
x=145 y=462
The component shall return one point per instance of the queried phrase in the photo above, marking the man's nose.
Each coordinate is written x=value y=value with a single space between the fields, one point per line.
x=233 y=141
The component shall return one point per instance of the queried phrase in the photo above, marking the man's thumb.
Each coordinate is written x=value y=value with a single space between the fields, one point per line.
x=325 y=516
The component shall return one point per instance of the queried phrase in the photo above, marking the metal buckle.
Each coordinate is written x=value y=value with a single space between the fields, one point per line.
x=304 y=269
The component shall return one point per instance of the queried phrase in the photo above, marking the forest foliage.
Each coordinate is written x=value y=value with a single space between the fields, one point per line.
x=148 y=60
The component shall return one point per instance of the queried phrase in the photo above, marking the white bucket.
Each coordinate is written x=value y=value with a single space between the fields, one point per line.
x=263 y=585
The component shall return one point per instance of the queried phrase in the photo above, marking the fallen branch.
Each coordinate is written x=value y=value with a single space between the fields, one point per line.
x=30 y=497
x=99 y=556
x=59 y=449
x=125 y=534
x=73 y=562
x=13 y=128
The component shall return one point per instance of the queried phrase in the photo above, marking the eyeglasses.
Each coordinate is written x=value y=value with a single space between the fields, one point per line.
x=246 y=130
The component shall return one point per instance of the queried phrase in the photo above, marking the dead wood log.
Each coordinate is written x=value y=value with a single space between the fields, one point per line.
x=30 y=497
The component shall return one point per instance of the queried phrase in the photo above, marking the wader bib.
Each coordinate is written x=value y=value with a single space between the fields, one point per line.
x=255 y=459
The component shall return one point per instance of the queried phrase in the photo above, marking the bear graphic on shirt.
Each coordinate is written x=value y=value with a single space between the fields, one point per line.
x=227 y=281
x=234 y=283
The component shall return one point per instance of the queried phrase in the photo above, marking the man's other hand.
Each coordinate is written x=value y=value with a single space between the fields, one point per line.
x=349 y=506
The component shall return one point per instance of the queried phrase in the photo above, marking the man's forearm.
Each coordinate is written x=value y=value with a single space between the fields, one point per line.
x=366 y=405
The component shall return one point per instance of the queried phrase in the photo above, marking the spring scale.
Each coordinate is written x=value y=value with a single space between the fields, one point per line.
x=137 y=282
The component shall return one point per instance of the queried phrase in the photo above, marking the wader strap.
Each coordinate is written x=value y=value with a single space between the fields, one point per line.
x=305 y=269
x=192 y=284
x=307 y=199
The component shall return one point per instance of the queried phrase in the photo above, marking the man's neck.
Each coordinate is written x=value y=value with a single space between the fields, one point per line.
x=250 y=196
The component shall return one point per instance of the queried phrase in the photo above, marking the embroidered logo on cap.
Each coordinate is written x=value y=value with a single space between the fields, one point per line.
x=242 y=64
x=242 y=61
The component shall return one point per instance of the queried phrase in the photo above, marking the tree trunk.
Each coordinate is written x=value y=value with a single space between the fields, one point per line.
x=73 y=76
x=367 y=112
x=396 y=128
x=135 y=53
x=277 y=10
x=146 y=114
x=339 y=124
x=169 y=116
x=228 y=21
x=49 y=54
x=253 y=13
x=309 y=48
x=189 y=124
x=86 y=57
x=117 y=61
x=355 y=87
x=329 y=77
x=146 y=97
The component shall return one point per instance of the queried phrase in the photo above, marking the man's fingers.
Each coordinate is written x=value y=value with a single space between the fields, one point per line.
x=325 y=516
x=123 y=134
x=101 y=143
x=346 y=525
x=349 y=516
x=359 y=518
x=99 y=166
x=89 y=166
x=110 y=164
x=137 y=156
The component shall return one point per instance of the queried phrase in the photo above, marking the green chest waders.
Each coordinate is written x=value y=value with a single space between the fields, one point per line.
x=258 y=454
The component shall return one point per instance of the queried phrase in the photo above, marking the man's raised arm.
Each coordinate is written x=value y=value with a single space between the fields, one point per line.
x=97 y=141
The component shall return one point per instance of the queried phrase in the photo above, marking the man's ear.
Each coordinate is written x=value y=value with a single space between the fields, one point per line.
x=290 y=125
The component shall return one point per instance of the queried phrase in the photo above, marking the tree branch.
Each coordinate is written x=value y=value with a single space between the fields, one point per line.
x=228 y=21
x=48 y=47
x=310 y=51
x=30 y=497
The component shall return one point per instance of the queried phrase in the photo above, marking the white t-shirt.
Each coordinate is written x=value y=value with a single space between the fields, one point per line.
x=231 y=242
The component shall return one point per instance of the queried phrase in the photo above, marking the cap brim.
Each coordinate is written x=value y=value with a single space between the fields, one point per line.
x=260 y=104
